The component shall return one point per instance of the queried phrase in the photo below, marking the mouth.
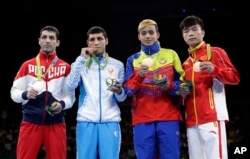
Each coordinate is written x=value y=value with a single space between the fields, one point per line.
x=96 y=48
x=192 y=39
x=148 y=41
x=47 y=46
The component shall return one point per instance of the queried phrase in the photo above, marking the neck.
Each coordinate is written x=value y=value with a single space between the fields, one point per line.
x=193 y=50
x=97 y=54
x=47 y=53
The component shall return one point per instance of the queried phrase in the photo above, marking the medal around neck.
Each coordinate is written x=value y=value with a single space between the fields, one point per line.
x=147 y=61
x=38 y=86
x=196 y=66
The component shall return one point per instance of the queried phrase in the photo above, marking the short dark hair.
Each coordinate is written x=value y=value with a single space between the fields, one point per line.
x=52 y=29
x=97 y=29
x=190 y=21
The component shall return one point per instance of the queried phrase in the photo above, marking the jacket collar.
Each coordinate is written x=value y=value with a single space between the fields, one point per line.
x=152 y=49
x=44 y=55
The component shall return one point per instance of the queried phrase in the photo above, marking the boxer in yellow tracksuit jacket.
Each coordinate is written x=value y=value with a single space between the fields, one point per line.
x=155 y=116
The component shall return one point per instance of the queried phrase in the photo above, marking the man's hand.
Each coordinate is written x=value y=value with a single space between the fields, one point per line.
x=32 y=93
x=207 y=66
x=117 y=88
x=87 y=51
x=164 y=86
x=184 y=91
x=55 y=108
x=143 y=70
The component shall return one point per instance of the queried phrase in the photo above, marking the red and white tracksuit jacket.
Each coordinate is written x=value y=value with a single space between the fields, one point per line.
x=207 y=101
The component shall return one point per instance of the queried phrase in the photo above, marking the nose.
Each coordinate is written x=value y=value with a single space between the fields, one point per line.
x=147 y=35
x=96 y=41
x=48 y=39
x=190 y=33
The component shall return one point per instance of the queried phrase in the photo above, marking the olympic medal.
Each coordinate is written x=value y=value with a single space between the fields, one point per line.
x=196 y=66
x=38 y=86
x=147 y=61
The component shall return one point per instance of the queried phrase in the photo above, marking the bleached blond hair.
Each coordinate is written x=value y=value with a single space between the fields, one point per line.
x=145 y=23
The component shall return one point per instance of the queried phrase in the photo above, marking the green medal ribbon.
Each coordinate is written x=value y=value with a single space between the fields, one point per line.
x=39 y=69
x=93 y=57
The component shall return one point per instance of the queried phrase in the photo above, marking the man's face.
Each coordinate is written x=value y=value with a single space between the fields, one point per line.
x=193 y=35
x=148 y=35
x=48 y=41
x=97 y=42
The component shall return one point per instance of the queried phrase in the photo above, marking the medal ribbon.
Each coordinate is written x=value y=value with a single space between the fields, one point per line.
x=93 y=57
x=39 y=69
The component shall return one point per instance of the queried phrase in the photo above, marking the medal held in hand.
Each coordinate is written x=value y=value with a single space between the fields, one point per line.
x=160 y=79
x=111 y=82
x=147 y=61
x=196 y=66
x=49 y=109
x=38 y=86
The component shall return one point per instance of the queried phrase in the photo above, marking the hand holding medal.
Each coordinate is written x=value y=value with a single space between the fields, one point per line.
x=87 y=51
x=196 y=66
x=35 y=89
x=113 y=85
x=54 y=108
x=111 y=82
x=185 y=88
x=49 y=109
x=145 y=64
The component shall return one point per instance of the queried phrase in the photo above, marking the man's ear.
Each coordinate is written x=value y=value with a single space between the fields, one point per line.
x=158 y=35
x=58 y=43
x=107 y=41
x=203 y=32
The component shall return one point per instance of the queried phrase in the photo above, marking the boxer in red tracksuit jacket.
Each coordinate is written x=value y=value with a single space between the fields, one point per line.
x=39 y=87
x=209 y=69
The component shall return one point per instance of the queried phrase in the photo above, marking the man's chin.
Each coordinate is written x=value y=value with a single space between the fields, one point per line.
x=97 y=53
x=47 y=51
x=148 y=43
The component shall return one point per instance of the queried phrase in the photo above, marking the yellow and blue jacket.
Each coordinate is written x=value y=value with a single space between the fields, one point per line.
x=149 y=102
